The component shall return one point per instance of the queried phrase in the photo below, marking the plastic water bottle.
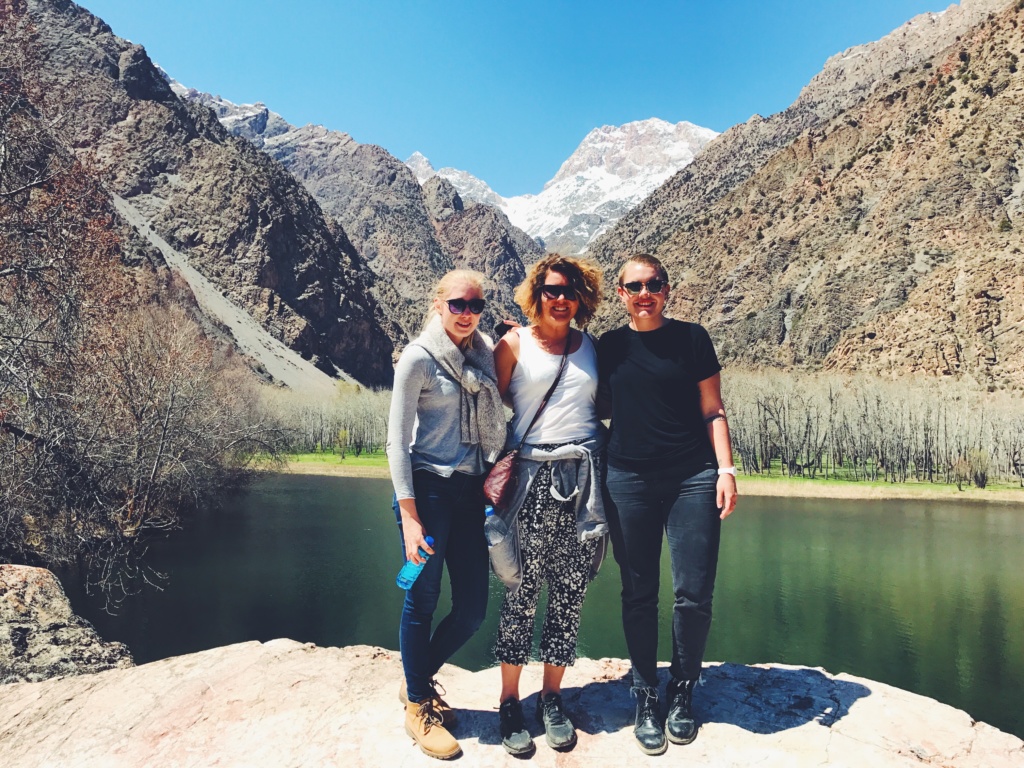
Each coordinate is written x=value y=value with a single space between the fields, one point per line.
x=411 y=571
x=494 y=527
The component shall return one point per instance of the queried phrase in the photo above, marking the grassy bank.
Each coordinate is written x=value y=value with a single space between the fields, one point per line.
x=376 y=465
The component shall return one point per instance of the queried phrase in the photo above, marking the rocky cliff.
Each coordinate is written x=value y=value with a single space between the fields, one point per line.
x=384 y=211
x=873 y=224
x=241 y=220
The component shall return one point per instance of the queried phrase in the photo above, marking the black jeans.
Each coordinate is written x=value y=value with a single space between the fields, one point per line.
x=452 y=511
x=641 y=506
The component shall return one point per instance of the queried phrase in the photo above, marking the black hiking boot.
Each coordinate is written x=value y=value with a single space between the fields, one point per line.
x=650 y=736
x=681 y=727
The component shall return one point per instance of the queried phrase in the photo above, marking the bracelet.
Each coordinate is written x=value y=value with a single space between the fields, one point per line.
x=727 y=471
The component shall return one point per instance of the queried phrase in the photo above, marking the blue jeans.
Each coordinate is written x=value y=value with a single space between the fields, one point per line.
x=452 y=511
x=641 y=506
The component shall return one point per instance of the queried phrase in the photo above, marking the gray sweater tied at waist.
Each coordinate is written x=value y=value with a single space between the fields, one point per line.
x=577 y=474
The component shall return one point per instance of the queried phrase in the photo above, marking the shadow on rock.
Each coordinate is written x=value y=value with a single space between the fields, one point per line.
x=774 y=698
x=760 y=700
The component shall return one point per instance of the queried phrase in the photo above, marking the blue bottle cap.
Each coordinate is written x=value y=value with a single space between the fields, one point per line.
x=429 y=540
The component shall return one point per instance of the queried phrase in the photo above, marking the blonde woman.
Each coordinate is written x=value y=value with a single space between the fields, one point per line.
x=446 y=426
x=556 y=520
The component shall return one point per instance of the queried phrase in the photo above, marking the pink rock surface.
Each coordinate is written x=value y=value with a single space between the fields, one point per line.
x=283 y=703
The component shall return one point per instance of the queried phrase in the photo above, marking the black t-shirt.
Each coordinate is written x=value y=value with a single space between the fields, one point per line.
x=651 y=377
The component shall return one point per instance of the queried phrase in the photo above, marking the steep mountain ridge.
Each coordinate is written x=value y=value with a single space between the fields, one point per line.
x=731 y=158
x=239 y=217
x=886 y=238
x=609 y=173
x=381 y=206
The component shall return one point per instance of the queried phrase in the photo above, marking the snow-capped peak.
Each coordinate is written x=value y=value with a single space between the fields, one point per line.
x=420 y=166
x=610 y=172
x=470 y=188
x=636 y=149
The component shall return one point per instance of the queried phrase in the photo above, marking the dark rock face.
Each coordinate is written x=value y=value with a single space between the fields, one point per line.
x=441 y=198
x=395 y=225
x=241 y=220
x=481 y=238
x=41 y=638
x=140 y=78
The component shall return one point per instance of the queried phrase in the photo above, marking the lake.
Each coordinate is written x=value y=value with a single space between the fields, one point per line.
x=926 y=596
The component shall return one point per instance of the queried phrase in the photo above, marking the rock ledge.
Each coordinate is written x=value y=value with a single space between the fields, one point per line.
x=283 y=703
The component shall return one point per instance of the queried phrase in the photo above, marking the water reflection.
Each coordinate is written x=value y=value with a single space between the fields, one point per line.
x=920 y=595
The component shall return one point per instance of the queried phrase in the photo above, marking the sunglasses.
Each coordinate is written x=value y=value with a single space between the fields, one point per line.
x=459 y=306
x=654 y=286
x=559 y=291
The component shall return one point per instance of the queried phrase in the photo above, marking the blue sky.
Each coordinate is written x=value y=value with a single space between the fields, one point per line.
x=504 y=90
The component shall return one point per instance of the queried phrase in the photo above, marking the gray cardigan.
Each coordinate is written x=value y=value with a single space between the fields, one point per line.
x=423 y=425
x=578 y=473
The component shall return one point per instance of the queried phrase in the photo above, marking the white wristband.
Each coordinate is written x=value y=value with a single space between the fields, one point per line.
x=727 y=471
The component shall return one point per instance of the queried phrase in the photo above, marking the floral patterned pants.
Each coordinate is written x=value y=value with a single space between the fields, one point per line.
x=553 y=554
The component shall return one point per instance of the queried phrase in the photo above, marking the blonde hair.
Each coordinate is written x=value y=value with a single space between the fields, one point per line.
x=583 y=274
x=449 y=280
x=646 y=260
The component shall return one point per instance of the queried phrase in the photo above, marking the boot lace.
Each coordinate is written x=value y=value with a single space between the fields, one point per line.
x=429 y=714
x=647 y=701
x=553 y=711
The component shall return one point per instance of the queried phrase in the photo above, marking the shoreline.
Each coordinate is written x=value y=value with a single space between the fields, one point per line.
x=748 y=486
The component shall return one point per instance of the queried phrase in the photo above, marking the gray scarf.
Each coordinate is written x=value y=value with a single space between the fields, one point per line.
x=482 y=414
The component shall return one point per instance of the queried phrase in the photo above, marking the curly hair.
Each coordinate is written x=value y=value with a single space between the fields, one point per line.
x=583 y=274
x=646 y=260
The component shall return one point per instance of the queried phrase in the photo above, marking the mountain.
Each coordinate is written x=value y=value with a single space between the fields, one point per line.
x=383 y=210
x=875 y=225
x=468 y=186
x=236 y=216
x=610 y=172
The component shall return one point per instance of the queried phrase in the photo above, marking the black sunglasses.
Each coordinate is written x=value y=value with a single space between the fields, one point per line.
x=459 y=306
x=558 y=291
x=654 y=285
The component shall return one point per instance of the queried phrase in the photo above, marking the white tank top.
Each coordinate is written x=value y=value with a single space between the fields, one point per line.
x=571 y=413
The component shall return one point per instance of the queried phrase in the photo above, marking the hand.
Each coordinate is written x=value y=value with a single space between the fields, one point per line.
x=504 y=327
x=415 y=540
x=413 y=534
x=726 y=497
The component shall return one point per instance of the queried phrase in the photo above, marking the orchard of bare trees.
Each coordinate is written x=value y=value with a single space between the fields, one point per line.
x=782 y=423
x=928 y=430
x=354 y=423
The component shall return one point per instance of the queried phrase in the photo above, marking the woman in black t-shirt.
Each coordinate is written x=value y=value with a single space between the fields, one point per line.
x=670 y=470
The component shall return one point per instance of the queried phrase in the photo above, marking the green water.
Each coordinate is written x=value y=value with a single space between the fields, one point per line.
x=926 y=596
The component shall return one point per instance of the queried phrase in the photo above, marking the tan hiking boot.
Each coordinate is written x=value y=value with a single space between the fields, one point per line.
x=448 y=716
x=423 y=724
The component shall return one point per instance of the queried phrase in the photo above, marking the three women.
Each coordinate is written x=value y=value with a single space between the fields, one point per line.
x=670 y=470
